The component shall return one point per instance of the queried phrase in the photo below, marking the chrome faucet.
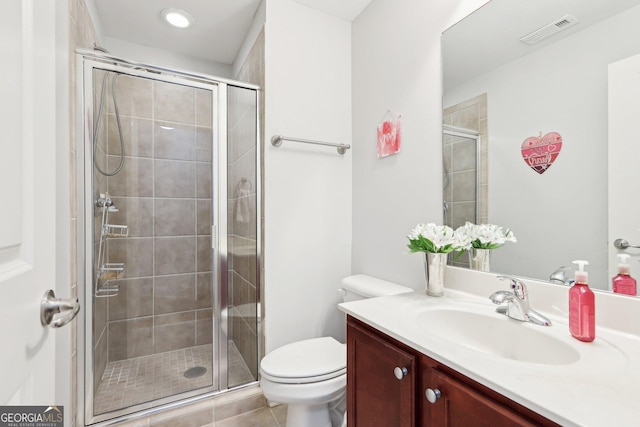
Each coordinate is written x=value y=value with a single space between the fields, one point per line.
x=517 y=303
x=560 y=276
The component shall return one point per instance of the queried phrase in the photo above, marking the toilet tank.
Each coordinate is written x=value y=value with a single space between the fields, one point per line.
x=361 y=286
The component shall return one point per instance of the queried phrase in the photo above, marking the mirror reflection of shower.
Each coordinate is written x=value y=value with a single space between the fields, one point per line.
x=460 y=180
x=461 y=176
x=465 y=169
x=464 y=154
x=445 y=187
x=465 y=166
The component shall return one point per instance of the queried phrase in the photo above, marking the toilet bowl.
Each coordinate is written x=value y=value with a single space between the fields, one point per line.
x=310 y=376
x=307 y=375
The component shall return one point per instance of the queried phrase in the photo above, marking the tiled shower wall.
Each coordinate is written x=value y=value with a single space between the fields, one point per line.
x=244 y=284
x=460 y=160
x=163 y=194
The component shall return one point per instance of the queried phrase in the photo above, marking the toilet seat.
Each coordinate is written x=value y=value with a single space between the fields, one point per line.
x=307 y=361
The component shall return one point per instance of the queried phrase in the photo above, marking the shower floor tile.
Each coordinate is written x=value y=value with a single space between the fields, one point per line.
x=142 y=379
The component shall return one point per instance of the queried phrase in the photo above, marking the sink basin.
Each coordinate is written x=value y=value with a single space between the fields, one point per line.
x=480 y=328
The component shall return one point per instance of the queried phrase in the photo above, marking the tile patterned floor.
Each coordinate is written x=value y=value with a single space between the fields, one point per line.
x=263 y=417
x=238 y=408
x=142 y=379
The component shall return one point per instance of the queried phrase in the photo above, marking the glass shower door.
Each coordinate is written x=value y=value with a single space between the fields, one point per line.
x=153 y=268
x=171 y=237
x=242 y=235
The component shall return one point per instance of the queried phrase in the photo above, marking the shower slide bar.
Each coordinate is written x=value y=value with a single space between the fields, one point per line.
x=276 y=141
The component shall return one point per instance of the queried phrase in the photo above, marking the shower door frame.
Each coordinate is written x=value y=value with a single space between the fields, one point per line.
x=86 y=62
x=473 y=135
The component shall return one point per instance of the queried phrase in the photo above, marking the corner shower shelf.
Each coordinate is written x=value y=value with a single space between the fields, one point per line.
x=112 y=271
x=108 y=270
x=107 y=291
x=111 y=230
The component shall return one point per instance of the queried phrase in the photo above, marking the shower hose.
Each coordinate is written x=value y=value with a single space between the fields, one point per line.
x=96 y=130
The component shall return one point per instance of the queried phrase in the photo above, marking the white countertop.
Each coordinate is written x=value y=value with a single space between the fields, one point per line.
x=601 y=389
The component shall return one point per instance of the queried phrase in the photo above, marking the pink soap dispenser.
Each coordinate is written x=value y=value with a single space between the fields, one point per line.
x=623 y=283
x=582 y=306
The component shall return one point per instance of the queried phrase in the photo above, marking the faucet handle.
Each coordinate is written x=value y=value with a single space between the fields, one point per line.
x=519 y=288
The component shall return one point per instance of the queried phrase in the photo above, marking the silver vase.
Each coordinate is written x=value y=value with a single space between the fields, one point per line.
x=434 y=269
x=479 y=259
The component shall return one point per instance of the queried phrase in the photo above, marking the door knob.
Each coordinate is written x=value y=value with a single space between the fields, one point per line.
x=400 y=373
x=57 y=312
x=432 y=395
x=623 y=244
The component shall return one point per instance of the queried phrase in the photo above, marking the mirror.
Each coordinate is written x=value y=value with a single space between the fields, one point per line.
x=507 y=91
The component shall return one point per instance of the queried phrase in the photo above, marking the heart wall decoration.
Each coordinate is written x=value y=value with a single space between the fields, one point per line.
x=539 y=152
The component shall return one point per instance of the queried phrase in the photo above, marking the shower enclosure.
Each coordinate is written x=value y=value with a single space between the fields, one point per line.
x=461 y=181
x=171 y=230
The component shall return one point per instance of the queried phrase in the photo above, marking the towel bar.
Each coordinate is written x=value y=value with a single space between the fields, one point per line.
x=276 y=141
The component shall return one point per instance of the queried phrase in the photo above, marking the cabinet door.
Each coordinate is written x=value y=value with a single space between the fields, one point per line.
x=461 y=405
x=375 y=397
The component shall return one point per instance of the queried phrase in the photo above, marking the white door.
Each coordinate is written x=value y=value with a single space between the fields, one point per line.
x=27 y=200
x=624 y=155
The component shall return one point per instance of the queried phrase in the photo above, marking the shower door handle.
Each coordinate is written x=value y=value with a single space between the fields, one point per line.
x=57 y=312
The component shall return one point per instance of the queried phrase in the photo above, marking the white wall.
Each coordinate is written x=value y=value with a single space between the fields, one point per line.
x=152 y=56
x=397 y=66
x=561 y=215
x=307 y=188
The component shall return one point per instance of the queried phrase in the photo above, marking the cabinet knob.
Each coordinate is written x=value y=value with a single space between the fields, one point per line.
x=400 y=373
x=432 y=395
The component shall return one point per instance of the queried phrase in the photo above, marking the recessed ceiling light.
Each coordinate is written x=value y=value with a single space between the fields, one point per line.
x=177 y=18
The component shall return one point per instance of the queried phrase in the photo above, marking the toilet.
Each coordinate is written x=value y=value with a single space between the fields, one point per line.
x=310 y=376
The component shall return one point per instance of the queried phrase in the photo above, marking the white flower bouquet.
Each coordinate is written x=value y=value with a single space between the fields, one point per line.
x=434 y=238
x=484 y=236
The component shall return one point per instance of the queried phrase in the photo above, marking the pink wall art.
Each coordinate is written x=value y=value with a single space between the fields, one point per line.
x=539 y=152
x=389 y=135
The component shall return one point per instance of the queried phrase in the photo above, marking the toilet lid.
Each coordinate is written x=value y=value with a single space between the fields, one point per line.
x=305 y=361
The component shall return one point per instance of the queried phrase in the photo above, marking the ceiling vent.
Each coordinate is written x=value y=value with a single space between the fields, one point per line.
x=550 y=29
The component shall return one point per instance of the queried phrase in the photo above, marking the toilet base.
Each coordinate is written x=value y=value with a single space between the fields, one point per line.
x=300 y=415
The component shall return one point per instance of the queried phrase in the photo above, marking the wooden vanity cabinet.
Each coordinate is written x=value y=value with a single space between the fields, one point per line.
x=381 y=394
x=375 y=396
